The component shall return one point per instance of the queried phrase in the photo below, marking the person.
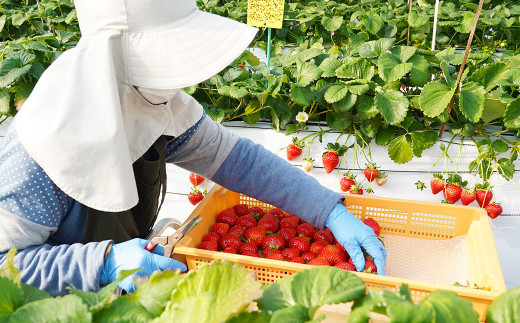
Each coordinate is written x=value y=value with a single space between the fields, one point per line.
x=82 y=166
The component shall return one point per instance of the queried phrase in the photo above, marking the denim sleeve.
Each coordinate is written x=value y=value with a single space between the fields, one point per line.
x=254 y=171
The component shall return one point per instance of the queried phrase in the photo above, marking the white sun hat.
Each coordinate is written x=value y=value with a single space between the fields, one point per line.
x=85 y=123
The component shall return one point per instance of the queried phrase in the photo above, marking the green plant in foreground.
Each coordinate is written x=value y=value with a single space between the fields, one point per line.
x=223 y=291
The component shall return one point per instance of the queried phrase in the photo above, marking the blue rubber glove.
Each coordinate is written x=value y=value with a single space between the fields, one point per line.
x=132 y=255
x=353 y=234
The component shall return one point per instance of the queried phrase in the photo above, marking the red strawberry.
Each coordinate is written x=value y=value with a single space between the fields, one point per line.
x=437 y=183
x=247 y=221
x=318 y=245
x=230 y=240
x=307 y=164
x=347 y=181
x=356 y=189
x=493 y=210
x=248 y=246
x=227 y=216
x=211 y=236
x=293 y=152
x=195 y=179
x=330 y=161
x=238 y=229
x=220 y=228
x=324 y=235
x=305 y=229
x=373 y=224
x=298 y=260
x=346 y=266
x=273 y=241
x=251 y=254
x=333 y=254
x=302 y=243
x=452 y=193
x=230 y=250
x=287 y=234
x=467 y=197
x=319 y=261
x=290 y=222
x=268 y=252
x=371 y=172
x=241 y=209
x=257 y=212
x=290 y=253
x=277 y=213
x=484 y=197
x=195 y=196
x=308 y=256
x=211 y=245
x=270 y=222
x=274 y=256
x=256 y=234
x=370 y=267
x=381 y=179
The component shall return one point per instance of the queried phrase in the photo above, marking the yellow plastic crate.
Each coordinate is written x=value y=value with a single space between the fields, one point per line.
x=396 y=217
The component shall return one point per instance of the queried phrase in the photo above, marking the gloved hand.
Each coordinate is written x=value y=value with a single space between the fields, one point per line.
x=353 y=234
x=132 y=255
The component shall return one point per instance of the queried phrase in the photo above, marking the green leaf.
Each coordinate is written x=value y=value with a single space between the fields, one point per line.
x=8 y=268
x=471 y=101
x=312 y=288
x=493 y=109
x=375 y=48
x=419 y=72
x=235 y=92
x=302 y=95
x=393 y=105
x=335 y=93
x=18 y=19
x=306 y=73
x=32 y=294
x=466 y=24
x=500 y=146
x=123 y=309
x=157 y=290
x=449 y=307
x=356 y=68
x=403 y=53
x=506 y=168
x=345 y=104
x=11 y=298
x=391 y=68
x=64 y=36
x=10 y=71
x=422 y=141
x=385 y=136
x=329 y=66
x=372 y=23
x=445 y=67
x=400 y=150
x=251 y=317
x=506 y=308
x=223 y=287
x=280 y=114
x=69 y=308
x=369 y=128
x=232 y=74
x=251 y=119
x=332 y=23
x=434 y=98
x=489 y=75
x=339 y=120
x=512 y=115
x=366 y=107
x=416 y=20
x=2 y=22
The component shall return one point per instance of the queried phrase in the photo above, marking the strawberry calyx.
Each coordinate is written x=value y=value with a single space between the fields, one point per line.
x=336 y=148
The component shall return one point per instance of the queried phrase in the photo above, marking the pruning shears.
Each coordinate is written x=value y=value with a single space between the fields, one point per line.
x=170 y=241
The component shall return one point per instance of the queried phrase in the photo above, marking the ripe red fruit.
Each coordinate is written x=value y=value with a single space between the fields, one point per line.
x=371 y=172
x=279 y=215
x=308 y=256
x=302 y=243
x=227 y=216
x=305 y=229
x=251 y=254
x=345 y=265
x=290 y=222
x=356 y=189
x=467 y=197
x=293 y=152
x=211 y=245
x=230 y=250
x=195 y=196
x=256 y=234
x=370 y=267
x=270 y=222
x=238 y=229
x=241 y=209
x=298 y=260
x=323 y=235
x=230 y=240
x=333 y=254
x=318 y=245
x=452 y=193
x=211 y=236
x=257 y=212
x=346 y=182
x=287 y=234
x=494 y=210
x=437 y=183
x=290 y=253
x=248 y=246
x=484 y=197
x=373 y=224
x=195 y=179
x=220 y=228
x=381 y=179
x=330 y=161
x=319 y=261
x=273 y=241
x=247 y=221
x=268 y=252
x=275 y=256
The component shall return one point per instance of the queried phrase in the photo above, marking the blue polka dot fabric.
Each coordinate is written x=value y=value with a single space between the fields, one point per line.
x=176 y=143
x=25 y=189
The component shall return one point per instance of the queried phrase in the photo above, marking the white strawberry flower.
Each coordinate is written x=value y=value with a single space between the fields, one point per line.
x=302 y=117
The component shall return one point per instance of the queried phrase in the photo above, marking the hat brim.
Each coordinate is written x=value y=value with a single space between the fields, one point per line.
x=186 y=53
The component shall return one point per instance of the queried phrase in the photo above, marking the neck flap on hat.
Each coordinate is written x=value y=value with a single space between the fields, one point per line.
x=85 y=123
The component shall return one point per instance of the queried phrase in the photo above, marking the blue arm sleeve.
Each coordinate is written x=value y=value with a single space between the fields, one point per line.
x=258 y=173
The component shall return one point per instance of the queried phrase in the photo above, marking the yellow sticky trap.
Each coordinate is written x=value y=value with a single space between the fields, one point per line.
x=265 y=13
